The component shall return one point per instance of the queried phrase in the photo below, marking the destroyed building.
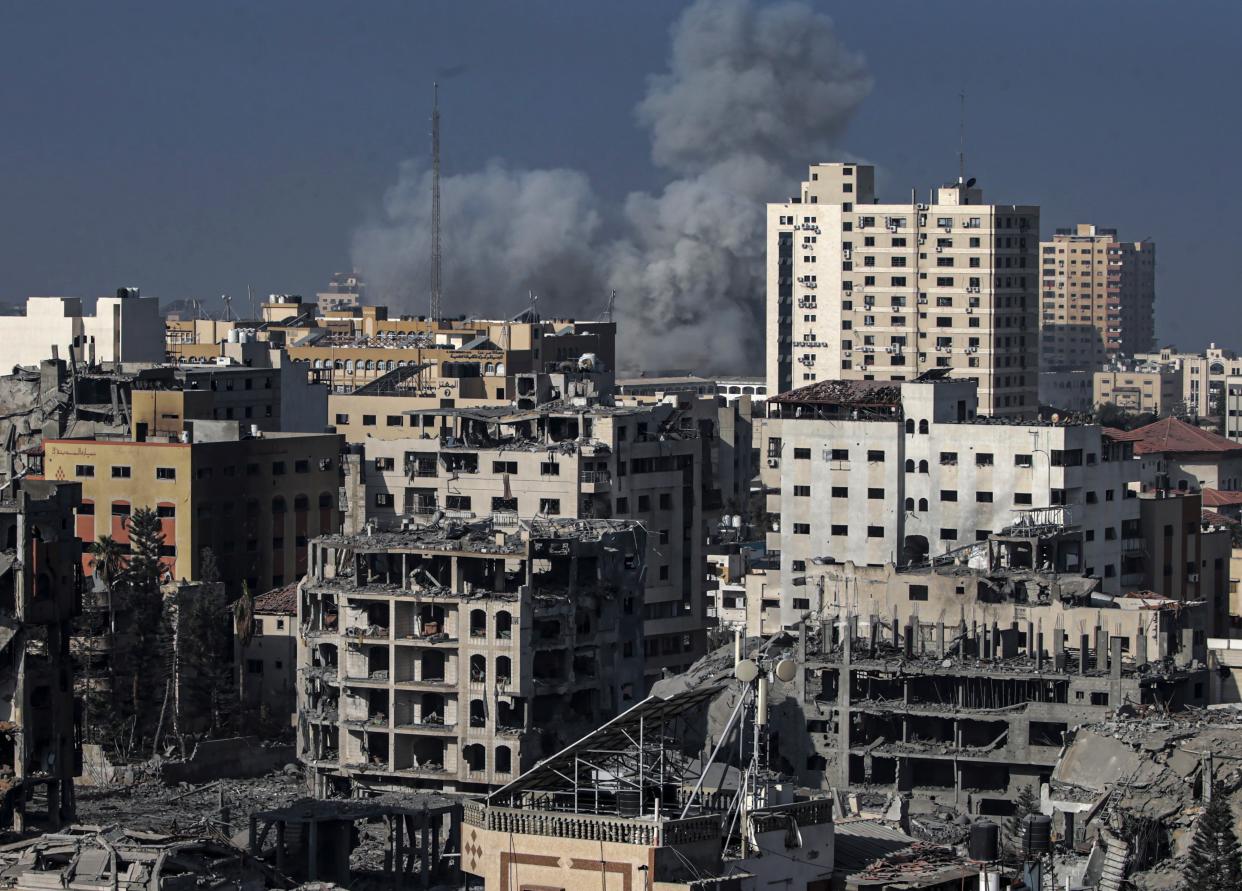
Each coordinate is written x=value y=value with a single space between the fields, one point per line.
x=455 y=655
x=645 y=463
x=958 y=681
x=38 y=599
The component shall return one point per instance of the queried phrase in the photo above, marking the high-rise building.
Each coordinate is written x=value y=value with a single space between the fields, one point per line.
x=1098 y=297
x=860 y=290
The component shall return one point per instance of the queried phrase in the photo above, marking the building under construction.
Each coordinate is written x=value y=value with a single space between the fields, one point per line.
x=455 y=655
x=38 y=599
x=957 y=681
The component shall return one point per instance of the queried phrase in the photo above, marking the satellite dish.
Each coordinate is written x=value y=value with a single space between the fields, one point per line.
x=746 y=671
x=786 y=670
x=970 y=182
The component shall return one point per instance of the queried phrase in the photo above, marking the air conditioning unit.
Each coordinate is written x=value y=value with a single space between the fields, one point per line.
x=774 y=462
x=970 y=309
x=922 y=299
x=922 y=207
x=1193 y=578
x=939 y=248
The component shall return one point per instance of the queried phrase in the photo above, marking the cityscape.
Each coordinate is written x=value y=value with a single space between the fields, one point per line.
x=770 y=526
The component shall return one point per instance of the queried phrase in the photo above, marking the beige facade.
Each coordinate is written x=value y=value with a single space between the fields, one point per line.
x=866 y=291
x=266 y=666
x=254 y=500
x=1204 y=375
x=1097 y=297
x=644 y=463
x=1155 y=391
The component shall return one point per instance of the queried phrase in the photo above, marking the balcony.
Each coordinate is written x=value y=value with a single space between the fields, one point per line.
x=595 y=481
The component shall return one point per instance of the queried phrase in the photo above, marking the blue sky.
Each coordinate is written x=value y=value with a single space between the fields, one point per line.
x=193 y=149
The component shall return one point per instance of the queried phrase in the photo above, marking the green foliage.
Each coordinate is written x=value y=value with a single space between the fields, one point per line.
x=204 y=651
x=148 y=630
x=1214 y=862
x=1025 y=804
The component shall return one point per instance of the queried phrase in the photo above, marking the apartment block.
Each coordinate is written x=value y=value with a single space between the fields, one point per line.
x=644 y=463
x=1174 y=455
x=266 y=666
x=1204 y=375
x=124 y=328
x=456 y=655
x=255 y=500
x=875 y=473
x=346 y=291
x=859 y=290
x=1097 y=298
x=39 y=753
x=1138 y=390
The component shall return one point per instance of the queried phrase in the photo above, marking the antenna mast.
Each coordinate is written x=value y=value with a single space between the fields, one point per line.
x=961 y=152
x=435 y=203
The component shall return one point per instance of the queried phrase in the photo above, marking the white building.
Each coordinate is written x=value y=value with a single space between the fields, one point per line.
x=124 y=328
x=878 y=472
x=859 y=290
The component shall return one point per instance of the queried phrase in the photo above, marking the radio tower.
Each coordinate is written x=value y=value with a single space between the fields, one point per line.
x=435 y=203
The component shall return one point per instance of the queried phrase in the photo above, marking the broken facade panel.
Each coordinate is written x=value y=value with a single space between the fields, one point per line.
x=456 y=655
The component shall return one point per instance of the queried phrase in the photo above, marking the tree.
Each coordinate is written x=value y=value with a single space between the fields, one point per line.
x=204 y=657
x=1214 y=862
x=147 y=620
x=105 y=561
x=1025 y=804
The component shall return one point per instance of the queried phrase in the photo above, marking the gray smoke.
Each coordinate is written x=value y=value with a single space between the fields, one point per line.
x=754 y=93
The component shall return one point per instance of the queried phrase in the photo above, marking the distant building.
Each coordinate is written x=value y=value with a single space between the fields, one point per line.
x=1066 y=390
x=346 y=290
x=1179 y=456
x=1097 y=297
x=1139 y=390
x=859 y=290
x=124 y=328
x=1204 y=375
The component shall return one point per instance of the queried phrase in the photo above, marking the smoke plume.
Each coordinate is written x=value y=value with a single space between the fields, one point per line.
x=754 y=93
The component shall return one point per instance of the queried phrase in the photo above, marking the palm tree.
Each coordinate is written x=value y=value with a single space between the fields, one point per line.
x=106 y=559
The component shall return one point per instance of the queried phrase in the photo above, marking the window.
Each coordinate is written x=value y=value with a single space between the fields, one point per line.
x=166 y=511
x=457 y=502
x=86 y=509
x=120 y=472
x=84 y=470
x=840 y=530
x=948 y=495
x=504 y=504
x=302 y=466
x=388 y=463
x=278 y=468
x=1021 y=497
x=368 y=420
x=644 y=504
x=802 y=454
x=983 y=497
x=1022 y=461
x=802 y=491
x=120 y=509
x=948 y=535
x=840 y=492
x=801 y=528
x=798 y=566
x=983 y=459
x=165 y=473
x=918 y=592
x=875 y=532
x=623 y=506
x=254 y=666
x=549 y=505
x=509 y=467
x=875 y=454
x=549 y=468
x=948 y=458
x=875 y=494
x=394 y=420
x=840 y=454
x=383 y=499
x=342 y=419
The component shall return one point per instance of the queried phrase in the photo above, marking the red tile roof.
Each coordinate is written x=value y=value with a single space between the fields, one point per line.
x=280 y=601
x=1217 y=498
x=1170 y=435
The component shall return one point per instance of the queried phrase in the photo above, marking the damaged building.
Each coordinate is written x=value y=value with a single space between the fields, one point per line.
x=958 y=681
x=455 y=655
x=38 y=599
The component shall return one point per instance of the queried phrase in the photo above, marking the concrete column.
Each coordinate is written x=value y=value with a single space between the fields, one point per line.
x=424 y=851
x=1030 y=638
x=940 y=640
x=896 y=631
x=312 y=850
x=909 y=641
x=1084 y=654
x=843 y=705
x=1140 y=647
x=1058 y=649
x=1114 y=659
x=1101 y=658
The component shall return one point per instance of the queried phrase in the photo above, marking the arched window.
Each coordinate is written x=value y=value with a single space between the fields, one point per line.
x=923 y=426
x=500 y=367
x=490 y=368
x=909 y=425
x=349 y=364
x=278 y=505
x=504 y=669
x=504 y=625
x=338 y=364
x=478 y=623
x=476 y=757
x=504 y=760
x=370 y=365
x=923 y=466
x=478 y=713
x=910 y=504
x=301 y=503
x=909 y=465
x=478 y=667
x=922 y=504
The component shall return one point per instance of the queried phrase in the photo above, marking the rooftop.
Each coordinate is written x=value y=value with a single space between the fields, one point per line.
x=279 y=601
x=483 y=536
x=1173 y=436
